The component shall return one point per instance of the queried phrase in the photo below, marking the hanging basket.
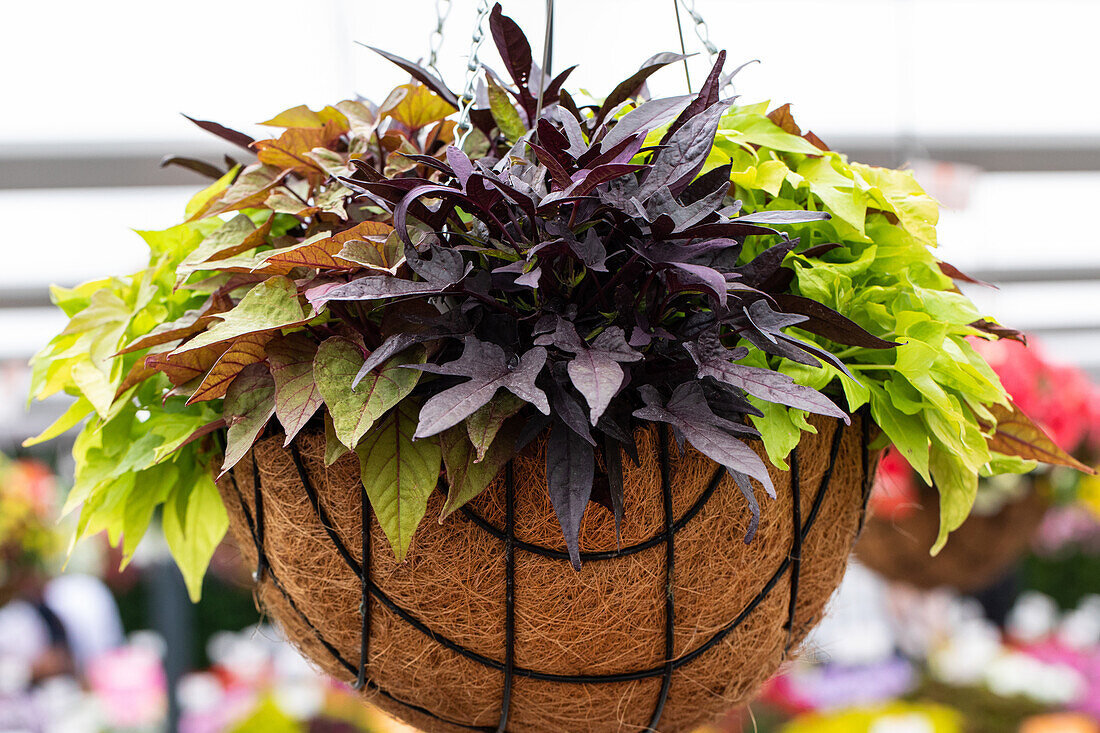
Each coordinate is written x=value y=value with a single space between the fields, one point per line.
x=976 y=555
x=486 y=625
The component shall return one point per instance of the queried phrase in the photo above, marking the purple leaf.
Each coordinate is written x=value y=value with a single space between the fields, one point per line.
x=644 y=118
x=376 y=287
x=710 y=279
x=627 y=88
x=570 y=468
x=708 y=95
x=613 y=458
x=444 y=269
x=602 y=174
x=530 y=279
x=825 y=321
x=686 y=153
x=687 y=411
x=237 y=138
x=714 y=360
x=567 y=409
x=557 y=171
x=421 y=74
x=596 y=376
x=488 y=370
x=765 y=264
x=460 y=164
x=745 y=486
x=784 y=217
x=514 y=49
x=395 y=344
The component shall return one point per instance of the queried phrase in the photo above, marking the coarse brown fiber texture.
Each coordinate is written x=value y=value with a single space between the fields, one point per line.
x=976 y=555
x=608 y=618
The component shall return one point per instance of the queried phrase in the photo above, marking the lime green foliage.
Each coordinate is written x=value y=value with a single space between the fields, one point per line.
x=927 y=395
x=131 y=455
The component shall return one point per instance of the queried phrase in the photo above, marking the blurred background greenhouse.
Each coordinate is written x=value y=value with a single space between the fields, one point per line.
x=992 y=104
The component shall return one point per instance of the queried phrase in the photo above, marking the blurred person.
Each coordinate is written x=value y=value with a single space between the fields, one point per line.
x=49 y=626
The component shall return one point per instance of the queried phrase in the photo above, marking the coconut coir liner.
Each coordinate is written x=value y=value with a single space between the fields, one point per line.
x=976 y=555
x=608 y=618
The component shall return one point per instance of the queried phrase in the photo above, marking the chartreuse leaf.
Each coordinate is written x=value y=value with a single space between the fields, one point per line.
x=211 y=192
x=270 y=305
x=415 y=105
x=236 y=236
x=268 y=717
x=778 y=431
x=354 y=411
x=303 y=116
x=156 y=485
x=194 y=522
x=398 y=473
x=958 y=485
x=76 y=412
x=504 y=114
x=334 y=449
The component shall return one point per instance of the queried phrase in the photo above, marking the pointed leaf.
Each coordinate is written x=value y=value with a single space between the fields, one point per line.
x=194 y=521
x=270 y=305
x=484 y=423
x=421 y=74
x=237 y=138
x=354 y=411
x=187 y=366
x=486 y=365
x=570 y=468
x=687 y=150
x=322 y=251
x=242 y=351
x=297 y=396
x=629 y=87
x=1016 y=434
x=514 y=49
x=398 y=474
x=467 y=473
x=236 y=236
x=504 y=114
x=249 y=404
x=714 y=360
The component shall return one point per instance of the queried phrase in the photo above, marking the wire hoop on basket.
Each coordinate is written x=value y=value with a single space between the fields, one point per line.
x=802 y=521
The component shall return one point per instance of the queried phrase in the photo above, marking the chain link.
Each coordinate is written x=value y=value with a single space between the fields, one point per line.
x=702 y=32
x=435 y=40
x=701 y=29
x=473 y=66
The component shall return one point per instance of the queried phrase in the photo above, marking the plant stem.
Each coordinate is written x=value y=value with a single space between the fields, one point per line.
x=613 y=281
x=872 y=367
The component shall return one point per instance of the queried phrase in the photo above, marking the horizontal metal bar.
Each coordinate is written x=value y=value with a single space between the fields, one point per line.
x=138 y=164
x=1027 y=274
x=1002 y=153
x=107 y=165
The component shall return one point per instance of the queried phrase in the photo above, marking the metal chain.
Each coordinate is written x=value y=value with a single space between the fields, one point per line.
x=701 y=29
x=473 y=66
x=702 y=32
x=435 y=40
